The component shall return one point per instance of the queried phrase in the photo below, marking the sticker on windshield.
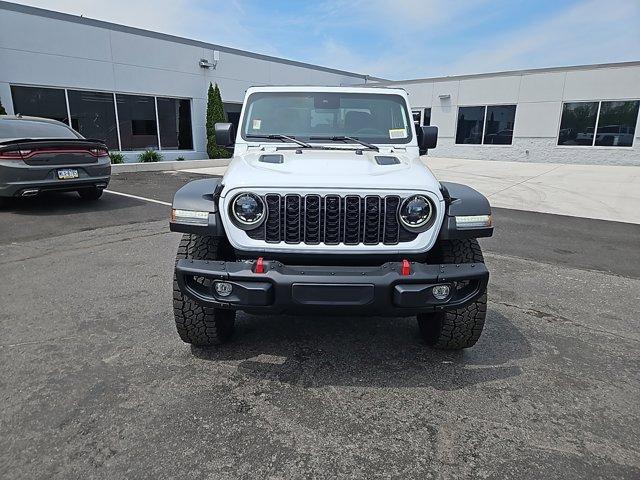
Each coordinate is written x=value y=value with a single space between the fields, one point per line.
x=256 y=124
x=398 y=133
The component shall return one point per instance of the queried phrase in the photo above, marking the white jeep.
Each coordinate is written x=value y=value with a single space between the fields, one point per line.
x=326 y=208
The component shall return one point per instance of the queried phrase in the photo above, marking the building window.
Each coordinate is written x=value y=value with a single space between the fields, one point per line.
x=174 y=119
x=617 y=124
x=578 y=123
x=137 y=121
x=93 y=114
x=416 y=114
x=426 y=117
x=470 y=125
x=614 y=123
x=40 y=102
x=233 y=114
x=498 y=129
x=488 y=125
x=421 y=117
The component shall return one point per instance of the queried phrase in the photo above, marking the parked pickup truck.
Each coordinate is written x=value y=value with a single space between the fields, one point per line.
x=326 y=208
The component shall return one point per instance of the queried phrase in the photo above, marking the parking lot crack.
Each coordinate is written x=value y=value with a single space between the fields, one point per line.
x=555 y=318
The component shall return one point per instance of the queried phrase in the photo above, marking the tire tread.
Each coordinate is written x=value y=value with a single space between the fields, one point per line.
x=462 y=327
x=197 y=324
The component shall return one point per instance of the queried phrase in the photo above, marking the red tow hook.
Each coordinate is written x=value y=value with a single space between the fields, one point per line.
x=259 y=265
x=406 y=268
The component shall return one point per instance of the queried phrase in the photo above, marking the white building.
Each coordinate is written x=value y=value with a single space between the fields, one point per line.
x=543 y=115
x=139 y=89
x=77 y=70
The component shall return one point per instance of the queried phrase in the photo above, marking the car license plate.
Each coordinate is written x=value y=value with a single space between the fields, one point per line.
x=67 y=173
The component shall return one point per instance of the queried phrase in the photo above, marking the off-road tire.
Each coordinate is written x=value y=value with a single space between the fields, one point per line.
x=90 y=193
x=196 y=324
x=460 y=328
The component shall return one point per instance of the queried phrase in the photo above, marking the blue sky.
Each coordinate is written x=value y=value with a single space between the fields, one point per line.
x=395 y=39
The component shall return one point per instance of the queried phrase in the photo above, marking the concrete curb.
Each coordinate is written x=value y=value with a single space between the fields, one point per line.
x=173 y=165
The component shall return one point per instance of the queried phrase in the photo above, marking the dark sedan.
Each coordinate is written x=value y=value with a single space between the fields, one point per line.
x=39 y=154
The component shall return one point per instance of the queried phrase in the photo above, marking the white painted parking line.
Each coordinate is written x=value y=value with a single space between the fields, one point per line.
x=139 y=198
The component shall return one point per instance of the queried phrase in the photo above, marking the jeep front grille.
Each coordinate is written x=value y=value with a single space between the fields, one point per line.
x=332 y=219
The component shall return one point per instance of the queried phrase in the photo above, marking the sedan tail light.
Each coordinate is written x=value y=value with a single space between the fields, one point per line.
x=14 y=154
x=100 y=152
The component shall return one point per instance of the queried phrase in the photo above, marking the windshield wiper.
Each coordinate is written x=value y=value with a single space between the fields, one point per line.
x=284 y=138
x=341 y=138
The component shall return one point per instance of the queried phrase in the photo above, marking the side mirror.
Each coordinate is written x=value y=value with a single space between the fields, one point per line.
x=224 y=135
x=427 y=138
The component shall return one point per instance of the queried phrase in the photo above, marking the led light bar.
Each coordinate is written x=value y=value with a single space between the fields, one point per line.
x=190 y=216
x=473 y=221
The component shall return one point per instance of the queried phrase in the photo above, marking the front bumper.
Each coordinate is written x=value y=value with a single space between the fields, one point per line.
x=379 y=290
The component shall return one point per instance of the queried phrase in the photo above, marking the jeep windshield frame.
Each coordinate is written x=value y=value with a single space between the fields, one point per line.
x=316 y=117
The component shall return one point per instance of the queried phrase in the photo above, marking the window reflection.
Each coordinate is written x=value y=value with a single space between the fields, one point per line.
x=416 y=114
x=470 y=124
x=617 y=124
x=174 y=118
x=137 y=120
x=578 y=123
x=421 y=117
x=93 y=115
x=40 y=102
x=499 y=127
x=426 y=117
x=233 y=114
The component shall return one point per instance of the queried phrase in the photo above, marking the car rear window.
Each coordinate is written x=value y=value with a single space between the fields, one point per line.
x=31 y=129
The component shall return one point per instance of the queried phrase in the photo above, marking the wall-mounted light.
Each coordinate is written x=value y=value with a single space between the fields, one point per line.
x=444 y=96
x=204 y=63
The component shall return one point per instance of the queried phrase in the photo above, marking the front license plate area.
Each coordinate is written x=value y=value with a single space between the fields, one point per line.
x=332 y=294
x=67 y=173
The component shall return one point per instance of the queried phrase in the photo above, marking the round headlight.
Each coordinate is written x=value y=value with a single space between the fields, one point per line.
x=415 y=212
x=248 y=210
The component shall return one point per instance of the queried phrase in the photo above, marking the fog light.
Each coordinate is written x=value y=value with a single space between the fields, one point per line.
x=223 y=288
x=440 y=292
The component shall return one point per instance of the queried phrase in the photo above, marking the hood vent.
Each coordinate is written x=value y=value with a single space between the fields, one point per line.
x=386 y=160
x=271 y=158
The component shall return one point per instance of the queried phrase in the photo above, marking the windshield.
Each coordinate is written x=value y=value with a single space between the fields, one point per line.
x=34 y=129
x=320 y=116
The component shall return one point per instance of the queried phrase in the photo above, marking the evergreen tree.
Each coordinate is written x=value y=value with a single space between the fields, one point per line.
x=215 y=114
x=2 y=110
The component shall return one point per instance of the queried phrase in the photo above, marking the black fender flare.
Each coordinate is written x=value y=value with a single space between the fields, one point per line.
x=463 y=200
x=199 y=195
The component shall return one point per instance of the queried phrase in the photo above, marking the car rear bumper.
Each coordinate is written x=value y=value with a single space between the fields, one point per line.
x=382 y=290
x=18 y=177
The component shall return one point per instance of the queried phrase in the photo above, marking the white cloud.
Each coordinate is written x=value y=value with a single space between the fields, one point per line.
x=592 y=32
x=589 y=32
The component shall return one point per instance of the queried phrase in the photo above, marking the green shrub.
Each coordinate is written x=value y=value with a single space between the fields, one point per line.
x=215 y=114
x=180 y=159
x=116 y=157
x=149 y=156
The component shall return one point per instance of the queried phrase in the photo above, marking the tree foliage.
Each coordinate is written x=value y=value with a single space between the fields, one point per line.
x=215 y=114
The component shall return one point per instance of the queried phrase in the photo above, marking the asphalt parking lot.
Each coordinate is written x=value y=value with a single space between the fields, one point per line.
x=95 y=382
